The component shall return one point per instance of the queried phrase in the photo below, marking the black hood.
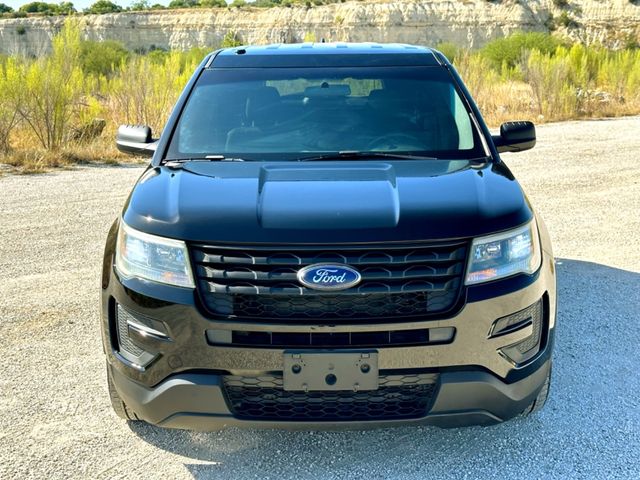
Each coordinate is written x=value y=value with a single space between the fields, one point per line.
x=326 y=202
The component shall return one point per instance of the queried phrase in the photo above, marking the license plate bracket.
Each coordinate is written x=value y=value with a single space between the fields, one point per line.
x=322 y=371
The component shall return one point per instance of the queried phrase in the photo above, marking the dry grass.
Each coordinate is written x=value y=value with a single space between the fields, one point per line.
x=24 y=158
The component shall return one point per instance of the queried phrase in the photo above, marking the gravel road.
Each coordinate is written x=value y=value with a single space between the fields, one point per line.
x=55 y=417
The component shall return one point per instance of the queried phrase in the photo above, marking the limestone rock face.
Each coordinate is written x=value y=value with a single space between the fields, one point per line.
x=465 y=22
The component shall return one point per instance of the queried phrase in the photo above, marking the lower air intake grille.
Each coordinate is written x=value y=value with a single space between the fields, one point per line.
x=263 y=398
x=342 y=306
x=532 y=316
x=126 y=345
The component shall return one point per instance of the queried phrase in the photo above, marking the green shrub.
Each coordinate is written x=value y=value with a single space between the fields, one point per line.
x=4 y=8
x=510 y=49
x=266 y=3
x=566 y=21
x=231 y=40
x=140 y=5
x=448 y=49
x=183 y=4
x=102 y=58
x=21 y=30
x=103 y=6
x=41 y=7
x=66 y=8
x=212 y=4
x=550 y=22
x=156 y=55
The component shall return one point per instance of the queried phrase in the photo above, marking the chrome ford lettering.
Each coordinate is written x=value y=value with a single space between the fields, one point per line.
x=326 y=275
x=329 y=277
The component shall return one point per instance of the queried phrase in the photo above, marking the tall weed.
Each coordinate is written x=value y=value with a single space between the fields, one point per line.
x=144 y=92
x=53 y=89
x=11 y=98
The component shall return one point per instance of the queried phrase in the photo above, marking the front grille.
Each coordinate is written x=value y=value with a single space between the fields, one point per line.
x=377 y=339
x=263 y=398
x=397 y=282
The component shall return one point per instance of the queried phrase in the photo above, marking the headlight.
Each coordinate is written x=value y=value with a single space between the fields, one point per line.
x=504 y=254
x=158 y=259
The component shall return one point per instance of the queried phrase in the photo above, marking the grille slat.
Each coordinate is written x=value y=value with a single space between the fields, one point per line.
x=377 y=339
x=291 y=289
x=397 y=282
x=369 y=273
x=444 y=254
x=263 y=398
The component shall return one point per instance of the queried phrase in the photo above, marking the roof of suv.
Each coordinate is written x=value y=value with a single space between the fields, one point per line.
x=325 y=55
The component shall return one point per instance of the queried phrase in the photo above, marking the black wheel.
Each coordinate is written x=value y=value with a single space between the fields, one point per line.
x=116 y=402
x=541 y=399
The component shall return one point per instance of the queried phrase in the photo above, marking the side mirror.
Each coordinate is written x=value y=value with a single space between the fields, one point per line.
x=515 y=137
x=136 y=140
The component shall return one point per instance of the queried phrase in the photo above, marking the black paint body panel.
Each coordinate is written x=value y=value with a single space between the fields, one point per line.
x=326 y=202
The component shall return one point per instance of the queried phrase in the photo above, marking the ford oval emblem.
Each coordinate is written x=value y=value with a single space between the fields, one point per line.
x=329 y=277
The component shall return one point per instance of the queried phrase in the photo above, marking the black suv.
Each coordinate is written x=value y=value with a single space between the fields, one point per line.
x=326 y=236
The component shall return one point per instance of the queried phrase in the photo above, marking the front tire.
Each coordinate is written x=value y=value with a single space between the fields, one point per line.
x=541 y=399
x=117 y=403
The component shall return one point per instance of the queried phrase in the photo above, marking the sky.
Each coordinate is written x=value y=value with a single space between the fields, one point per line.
x=79 y=4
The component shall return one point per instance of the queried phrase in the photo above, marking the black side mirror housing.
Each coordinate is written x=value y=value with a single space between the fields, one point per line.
x=136 y=140
x=515 y=137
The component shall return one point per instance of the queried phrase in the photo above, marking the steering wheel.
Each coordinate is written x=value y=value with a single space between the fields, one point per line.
x=396 y=141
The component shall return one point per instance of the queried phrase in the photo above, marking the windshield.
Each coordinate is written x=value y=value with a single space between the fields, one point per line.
x=291 y=113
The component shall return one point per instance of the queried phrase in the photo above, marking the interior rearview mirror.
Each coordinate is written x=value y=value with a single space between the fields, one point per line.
x=136 y=140
x=515 y=137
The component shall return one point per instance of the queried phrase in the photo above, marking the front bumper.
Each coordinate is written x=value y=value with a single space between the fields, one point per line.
x=182 y=386
x=195 y=401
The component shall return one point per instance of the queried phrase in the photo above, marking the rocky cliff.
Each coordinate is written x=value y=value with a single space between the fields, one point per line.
x=465 y=22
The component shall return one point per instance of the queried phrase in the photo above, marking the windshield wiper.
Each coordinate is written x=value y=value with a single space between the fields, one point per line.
x=178 y=162
x=357 y=155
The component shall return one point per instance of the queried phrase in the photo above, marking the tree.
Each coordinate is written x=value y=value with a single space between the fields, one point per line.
x=103 y=6
x=183 y=4
x=140 y=5
x=66 y=8
x=212 y=3
x=40 y=7
x=5 y=8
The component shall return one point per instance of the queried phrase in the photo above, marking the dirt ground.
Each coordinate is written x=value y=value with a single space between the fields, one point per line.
x=55 y=416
